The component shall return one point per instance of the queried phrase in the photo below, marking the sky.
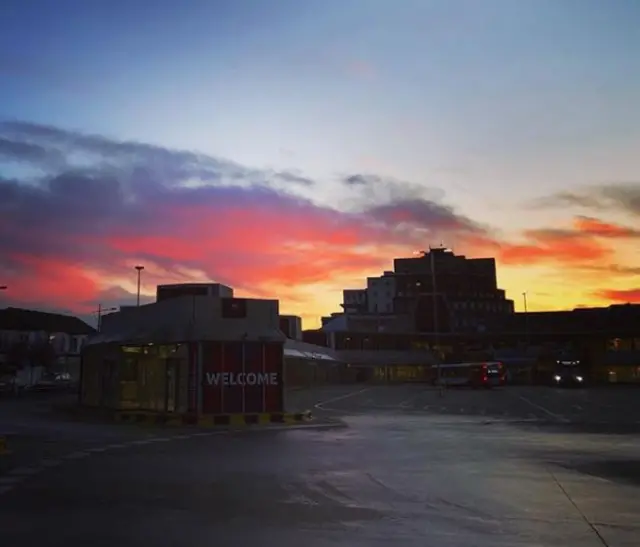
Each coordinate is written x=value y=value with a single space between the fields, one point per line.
x=291 y=149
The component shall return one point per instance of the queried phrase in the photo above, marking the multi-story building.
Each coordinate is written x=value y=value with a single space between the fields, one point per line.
x=436 y=291
x=291 y=326
x=354 y=300
x=28 y=337
x=381 y=292
x=445 y=292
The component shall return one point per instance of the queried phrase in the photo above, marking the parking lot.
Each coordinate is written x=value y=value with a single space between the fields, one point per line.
x=492 y=468
x=617 y=407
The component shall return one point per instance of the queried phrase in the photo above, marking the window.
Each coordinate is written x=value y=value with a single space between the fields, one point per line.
x=129 y=369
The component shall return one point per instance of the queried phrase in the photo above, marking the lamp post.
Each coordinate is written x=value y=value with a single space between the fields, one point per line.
x=436 y=326
x=139 y=268
x=526 y=318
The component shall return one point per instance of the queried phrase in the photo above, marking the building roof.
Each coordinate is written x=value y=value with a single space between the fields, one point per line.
x=303 y=350
x=20 y=319
x=189 y=318
x=616 y=318
x=386 y=357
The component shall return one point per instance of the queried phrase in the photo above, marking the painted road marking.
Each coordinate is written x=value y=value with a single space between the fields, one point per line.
x=24 y=471
x=545 y=410
x=321 y=405
x=76 y=455
x=17 y=475
x=50 y=463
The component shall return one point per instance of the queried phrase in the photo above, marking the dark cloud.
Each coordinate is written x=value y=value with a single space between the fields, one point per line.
x=618 y=196
x=403 y=205
x=359 y=180
x=423 y=214
x=296 y=178
x=163 y=165
x=28 y=152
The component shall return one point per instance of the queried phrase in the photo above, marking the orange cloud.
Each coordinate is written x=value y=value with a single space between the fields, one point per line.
x=620 y=295
x=594 y=227
x=582 y=245
x=56 y=283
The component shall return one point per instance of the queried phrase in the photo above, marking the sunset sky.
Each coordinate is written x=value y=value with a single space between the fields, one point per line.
x=291 y=148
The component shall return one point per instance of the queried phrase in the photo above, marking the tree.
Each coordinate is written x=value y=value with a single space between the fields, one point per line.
x=17 y=355
x=42 y=354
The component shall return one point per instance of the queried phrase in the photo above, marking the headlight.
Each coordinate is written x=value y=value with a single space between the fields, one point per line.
x=579 y=378
x=557 y=378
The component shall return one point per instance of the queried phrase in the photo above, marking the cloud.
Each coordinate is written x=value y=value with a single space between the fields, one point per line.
x=616 y=196
x=620 y=296
x=585 y=244
x=70 y=238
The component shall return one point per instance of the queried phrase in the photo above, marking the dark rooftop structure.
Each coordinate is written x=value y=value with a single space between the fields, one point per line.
x=617 y=319
x=20 y=319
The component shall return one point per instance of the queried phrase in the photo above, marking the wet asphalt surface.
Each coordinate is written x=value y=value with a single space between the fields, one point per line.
x=512 y=467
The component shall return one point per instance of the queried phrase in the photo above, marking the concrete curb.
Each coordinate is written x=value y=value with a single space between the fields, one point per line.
x=154 y=418
x=169 y=419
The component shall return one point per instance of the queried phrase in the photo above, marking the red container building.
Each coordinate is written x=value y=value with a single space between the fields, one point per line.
x=189 y=353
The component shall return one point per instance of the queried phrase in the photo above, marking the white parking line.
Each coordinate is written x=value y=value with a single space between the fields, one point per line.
x=24 y=471
x=545 y=410
x=321 y=405
x=76 y=455
x=50 y=463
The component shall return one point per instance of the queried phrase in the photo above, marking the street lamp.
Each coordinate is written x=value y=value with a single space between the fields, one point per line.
x=526 y=318
x=139 y=268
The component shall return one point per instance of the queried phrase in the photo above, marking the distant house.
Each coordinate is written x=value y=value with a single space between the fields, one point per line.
x=28 y=336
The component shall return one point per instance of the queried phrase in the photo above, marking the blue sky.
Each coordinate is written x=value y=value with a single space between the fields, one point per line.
x=489 y=103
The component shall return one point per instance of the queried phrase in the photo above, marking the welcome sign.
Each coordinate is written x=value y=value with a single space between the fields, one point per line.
x=228 y=379
x=242 y=376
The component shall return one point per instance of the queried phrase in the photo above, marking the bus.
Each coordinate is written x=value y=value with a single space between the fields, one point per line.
x=477 y=375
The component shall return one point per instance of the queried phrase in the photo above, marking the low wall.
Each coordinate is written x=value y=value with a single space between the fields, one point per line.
x=301 y=373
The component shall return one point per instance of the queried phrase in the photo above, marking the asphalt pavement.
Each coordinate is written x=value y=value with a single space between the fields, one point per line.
x=410 y=469
x=598 y=408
